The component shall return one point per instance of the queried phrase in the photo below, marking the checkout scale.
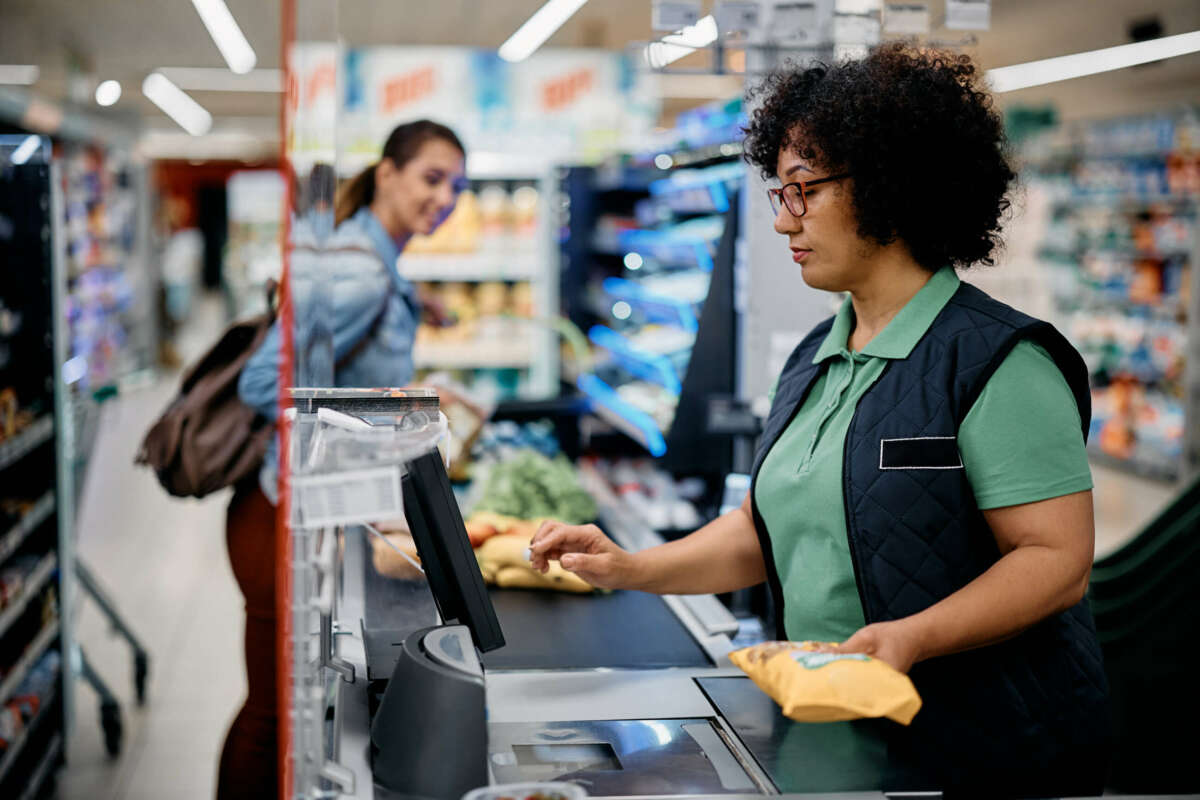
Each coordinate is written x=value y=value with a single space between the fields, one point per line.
x=439 y=685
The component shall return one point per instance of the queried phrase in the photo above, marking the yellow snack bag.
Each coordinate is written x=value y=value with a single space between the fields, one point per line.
x=812 y=686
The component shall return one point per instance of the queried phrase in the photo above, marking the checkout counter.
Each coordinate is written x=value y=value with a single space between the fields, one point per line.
x=625 y=694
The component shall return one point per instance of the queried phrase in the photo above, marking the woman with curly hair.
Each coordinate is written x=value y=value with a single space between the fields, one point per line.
x=921 y=491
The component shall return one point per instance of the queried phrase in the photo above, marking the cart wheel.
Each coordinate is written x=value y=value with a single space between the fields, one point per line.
x=141 y=668
x=110 y=722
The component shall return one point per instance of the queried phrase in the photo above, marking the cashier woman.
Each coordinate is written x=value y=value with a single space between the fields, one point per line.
x=921 y=491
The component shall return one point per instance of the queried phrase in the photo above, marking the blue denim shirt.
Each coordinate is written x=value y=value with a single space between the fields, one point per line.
x=351 y=284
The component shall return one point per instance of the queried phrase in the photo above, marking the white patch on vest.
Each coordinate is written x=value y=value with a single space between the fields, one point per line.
x=917 y=439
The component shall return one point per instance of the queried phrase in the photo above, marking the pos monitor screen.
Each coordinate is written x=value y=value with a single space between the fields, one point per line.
x=446 y=554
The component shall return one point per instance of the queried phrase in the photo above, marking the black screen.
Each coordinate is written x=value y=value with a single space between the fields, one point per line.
x=446 y=554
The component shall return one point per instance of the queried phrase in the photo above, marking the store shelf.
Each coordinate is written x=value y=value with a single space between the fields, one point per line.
x=1157 y=471
x=15 y=749
x=633 y=422
x=473 y=355
x=651 y=367
x=30 y=657
x=16 y=448
x=34 y=517
x=471 y=267
x=45 y=768
x=33 y=586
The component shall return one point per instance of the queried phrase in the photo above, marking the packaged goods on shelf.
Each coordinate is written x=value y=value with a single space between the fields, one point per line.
x=253 y=254
x=1119 y=252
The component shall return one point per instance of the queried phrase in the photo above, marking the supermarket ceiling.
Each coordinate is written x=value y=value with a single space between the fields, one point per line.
x=126 y=39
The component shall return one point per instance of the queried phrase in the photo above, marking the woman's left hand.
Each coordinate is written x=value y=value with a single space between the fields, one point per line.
x=892 y=642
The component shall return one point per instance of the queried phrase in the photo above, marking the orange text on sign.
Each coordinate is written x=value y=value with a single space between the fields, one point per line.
x=564 y=91
x=407 y=88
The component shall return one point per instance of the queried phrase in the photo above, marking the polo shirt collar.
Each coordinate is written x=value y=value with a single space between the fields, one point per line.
x=900 y=335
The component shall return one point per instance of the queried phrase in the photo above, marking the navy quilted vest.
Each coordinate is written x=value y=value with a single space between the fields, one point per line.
x=1025 y=717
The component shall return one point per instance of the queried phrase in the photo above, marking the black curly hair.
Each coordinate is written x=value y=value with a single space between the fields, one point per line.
x=920 y=136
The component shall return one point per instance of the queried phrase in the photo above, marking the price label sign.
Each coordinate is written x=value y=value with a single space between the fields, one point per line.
x=346 y=498
x=673 y=15
x=968 y=15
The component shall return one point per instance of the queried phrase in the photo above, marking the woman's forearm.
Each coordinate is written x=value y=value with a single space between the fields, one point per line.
x=1024 y=587
x=722 y=556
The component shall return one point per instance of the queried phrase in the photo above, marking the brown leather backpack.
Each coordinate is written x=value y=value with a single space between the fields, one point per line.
x=208 y=438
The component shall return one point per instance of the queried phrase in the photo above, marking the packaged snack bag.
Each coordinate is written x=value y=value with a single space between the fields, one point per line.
x=812 y=686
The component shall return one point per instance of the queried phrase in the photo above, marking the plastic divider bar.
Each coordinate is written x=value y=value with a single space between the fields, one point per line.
x=37 y=579
x=17 y=447
x=32 y=653
x=32 y=518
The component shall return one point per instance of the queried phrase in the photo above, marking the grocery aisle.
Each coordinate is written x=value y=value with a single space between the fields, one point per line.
x=163 y=561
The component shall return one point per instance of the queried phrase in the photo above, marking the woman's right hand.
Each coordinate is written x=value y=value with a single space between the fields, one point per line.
x=585 y=551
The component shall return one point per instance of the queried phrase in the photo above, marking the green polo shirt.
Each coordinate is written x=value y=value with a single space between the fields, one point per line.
x=1021 y=442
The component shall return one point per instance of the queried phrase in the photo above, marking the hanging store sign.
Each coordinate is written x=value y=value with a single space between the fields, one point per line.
x=906 y=18
x=968 y=15
x=674 y=15
x=738 y=16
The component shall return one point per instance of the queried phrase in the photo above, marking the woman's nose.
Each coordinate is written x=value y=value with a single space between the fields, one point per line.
x=785 y=222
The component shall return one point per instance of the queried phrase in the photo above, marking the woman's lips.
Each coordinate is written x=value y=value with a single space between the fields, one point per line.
x=799 y=255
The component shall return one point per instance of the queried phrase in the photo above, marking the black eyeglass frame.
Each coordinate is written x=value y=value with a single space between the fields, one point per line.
x=777 y=197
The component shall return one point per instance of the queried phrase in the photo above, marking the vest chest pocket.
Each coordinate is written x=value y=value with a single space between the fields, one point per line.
x=920 y=452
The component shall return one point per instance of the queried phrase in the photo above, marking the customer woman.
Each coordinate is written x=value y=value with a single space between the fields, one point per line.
x=921 y=491
x=352 y=279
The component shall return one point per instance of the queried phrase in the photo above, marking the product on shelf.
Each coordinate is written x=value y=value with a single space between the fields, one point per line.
x=529 y=485
x=1119 y=252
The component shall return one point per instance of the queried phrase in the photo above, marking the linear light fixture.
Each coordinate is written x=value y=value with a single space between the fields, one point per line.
x=25 y=149
x=538 y=28
x=224 y=30
x=217 y=79
x=19 y=74
x=176 y=104
x=674 y=47
x=1052 y=70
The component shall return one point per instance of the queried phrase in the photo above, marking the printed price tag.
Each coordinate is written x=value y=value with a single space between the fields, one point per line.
x=968 y=15
x=673 y=15
x=344 y=498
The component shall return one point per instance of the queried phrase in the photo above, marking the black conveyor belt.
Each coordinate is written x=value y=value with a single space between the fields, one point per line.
x=542 y=630
x=552 y=630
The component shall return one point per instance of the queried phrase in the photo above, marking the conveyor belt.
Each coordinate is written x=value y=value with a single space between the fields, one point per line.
x=550 y=630
x=542 y=630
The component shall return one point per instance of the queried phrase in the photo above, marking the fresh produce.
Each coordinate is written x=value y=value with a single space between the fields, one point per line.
x=530 y=486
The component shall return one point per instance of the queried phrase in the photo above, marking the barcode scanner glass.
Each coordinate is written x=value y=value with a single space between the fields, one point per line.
x=446 y=554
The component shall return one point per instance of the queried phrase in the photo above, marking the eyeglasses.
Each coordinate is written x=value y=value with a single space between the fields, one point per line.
x=794 y=195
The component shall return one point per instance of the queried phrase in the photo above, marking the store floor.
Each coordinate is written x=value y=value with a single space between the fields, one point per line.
x=164 y=563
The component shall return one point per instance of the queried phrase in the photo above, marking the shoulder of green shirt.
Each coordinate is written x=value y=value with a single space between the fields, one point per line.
x=1022 y=442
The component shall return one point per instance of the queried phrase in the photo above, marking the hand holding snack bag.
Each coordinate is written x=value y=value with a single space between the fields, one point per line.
x=812 y=684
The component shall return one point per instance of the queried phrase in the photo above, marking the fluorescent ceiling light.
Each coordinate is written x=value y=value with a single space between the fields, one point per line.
x=20 y=74
x=108 y=93
x=175 y=103
x=224 y=30
x=26 y=149
x=1051 y=70
x=677 y=45
x=538 y=28
x=216 y=79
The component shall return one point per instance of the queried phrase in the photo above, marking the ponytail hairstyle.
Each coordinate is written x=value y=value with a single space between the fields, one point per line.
x=401 y=147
